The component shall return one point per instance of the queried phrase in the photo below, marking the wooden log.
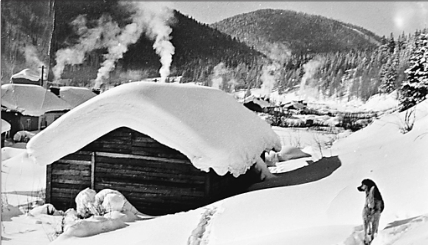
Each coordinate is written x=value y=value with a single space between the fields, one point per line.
x=79 y=155
x=72 y=181
x=79 y=186
x=92 y=174
x=131 y=156
x=57 y=173
x=48 y=196
x=147 y=188
x=122 y=169
x=72 y=162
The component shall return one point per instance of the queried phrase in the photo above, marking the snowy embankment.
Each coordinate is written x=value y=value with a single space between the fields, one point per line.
x=319 y=211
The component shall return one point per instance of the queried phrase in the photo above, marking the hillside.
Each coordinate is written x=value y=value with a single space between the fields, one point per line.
x=26 y=28
x=196 y=45
x=32 y=33
x=301 y=33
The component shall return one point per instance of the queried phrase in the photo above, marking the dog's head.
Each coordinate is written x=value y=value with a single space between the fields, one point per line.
x=366 y=185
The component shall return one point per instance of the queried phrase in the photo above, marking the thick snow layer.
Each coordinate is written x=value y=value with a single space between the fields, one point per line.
x=27 y=74
x=75 y=96
x=205 y=124
x=5 y=126
x=18 y=173
x=31 y=100
x=322 y=212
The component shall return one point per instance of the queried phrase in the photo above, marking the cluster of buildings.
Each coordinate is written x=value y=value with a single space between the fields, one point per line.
x=28 y=106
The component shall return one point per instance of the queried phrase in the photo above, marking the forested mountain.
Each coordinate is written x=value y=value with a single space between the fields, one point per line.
x=47 y=26
x=198 y=48
x=301 y=33
x=334 y=58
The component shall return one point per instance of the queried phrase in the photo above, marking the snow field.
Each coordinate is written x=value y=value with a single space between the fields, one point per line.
x=326 y=211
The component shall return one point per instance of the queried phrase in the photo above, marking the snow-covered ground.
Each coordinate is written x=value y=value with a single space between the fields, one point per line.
x=310 y=207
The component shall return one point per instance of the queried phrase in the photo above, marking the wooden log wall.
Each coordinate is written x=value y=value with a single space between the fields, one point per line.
x=67 y=177
x=153 y=177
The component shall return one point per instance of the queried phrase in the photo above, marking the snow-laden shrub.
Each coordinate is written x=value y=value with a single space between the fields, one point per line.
x=85 y=201
x=23 y=136
x=109 y=200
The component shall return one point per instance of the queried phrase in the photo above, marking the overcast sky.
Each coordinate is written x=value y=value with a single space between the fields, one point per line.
x=381 y=17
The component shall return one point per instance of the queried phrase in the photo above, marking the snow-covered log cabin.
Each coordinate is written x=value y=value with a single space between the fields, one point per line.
x=166 y=147
x=28 y=107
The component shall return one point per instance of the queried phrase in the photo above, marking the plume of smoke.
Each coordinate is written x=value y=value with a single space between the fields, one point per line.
x=117 y=46
x=151 y=18
x=310 y=69
x=90 y=39
x=278 y=54
x=217 y=77
x=268 y=79
x=232 y=84
x=158 y=29
x=32 y=59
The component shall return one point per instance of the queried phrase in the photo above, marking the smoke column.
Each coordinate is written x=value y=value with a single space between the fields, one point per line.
x=278 y=54
x=32 y=59
x=268 y=79
x=153 y=19
x=217 y=78
x=310 y=69
x=89 y=40
x=159 y=30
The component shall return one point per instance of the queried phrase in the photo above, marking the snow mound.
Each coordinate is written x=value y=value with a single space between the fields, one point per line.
x=28 y=74
x=290 y=152
x=112 y=200
x=207 y=125
x=5 y=126
x=106 y=201
x=75 y=96
x=31 y=100
x=93 y=226
x=10 y=152
x=85 y=203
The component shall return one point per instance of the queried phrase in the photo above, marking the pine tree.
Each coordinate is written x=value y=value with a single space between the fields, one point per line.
x=389 y=74
x=415 y=89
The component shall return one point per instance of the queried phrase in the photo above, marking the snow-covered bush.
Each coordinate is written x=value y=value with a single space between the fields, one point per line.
x=23 y=136
x=407 y=123
x=85 y=201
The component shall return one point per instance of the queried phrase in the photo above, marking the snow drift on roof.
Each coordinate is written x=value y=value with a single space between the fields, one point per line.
x=75 y=96
x=31 y=100
x=5 y=126
x=205 y=124
x=27 y=74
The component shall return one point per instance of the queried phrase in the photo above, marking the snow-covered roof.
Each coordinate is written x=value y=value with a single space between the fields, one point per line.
x=5 y=126
x=31 y=100
x=27 y=74
x=259 y=101
x=75 y=96
x=205 y=124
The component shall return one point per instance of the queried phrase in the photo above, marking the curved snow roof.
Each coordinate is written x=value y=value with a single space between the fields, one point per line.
x=5 y=126
x=27 y=74
x=31 y=100
x=75 y=95
x=205 y=124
